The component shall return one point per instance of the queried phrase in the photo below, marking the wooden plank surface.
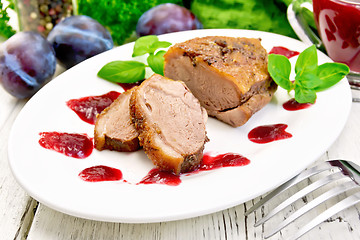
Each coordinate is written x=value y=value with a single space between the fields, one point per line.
x=14 y=202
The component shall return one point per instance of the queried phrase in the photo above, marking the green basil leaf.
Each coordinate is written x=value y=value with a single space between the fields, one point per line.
x=279 y=68
x=307 y=61
x=304 y=95
x=159 y=44
x=330 y=74
x=123 y=71
x=156 y=62
x=142 y=45
x=308 y=80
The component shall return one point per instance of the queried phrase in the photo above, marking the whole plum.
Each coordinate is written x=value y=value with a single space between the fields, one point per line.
x=27 y=61
x=166 y=18
x=77 y=38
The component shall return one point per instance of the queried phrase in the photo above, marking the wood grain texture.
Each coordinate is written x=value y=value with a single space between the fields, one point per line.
x=7 y=104
x=14 y=202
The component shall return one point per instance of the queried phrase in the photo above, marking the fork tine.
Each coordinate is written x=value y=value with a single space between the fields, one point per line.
x=315 y=185
x=345 y=203
x=317 y=201
x=353 y=81
x=303 y=175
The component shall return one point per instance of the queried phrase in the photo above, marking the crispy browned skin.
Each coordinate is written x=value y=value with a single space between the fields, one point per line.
x=170 y=122
x=114 y=129
x=228 y=75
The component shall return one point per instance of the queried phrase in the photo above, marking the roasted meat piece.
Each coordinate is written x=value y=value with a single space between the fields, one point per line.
x=170 y=122
x=114 y=129
x=228 y=75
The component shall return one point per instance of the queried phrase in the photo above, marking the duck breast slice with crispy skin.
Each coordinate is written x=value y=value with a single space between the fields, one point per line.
x=170 y=122
x=114 y=129
x=228 y=75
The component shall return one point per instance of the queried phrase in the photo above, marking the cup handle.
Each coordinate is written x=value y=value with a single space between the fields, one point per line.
x=297 y=19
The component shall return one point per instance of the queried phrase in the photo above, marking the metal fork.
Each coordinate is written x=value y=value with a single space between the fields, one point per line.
x=338 y=170
x=354 y=81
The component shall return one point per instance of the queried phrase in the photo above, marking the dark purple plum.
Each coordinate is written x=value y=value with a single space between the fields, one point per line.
x=27 y=61
x=77 y=38
x=166 y=18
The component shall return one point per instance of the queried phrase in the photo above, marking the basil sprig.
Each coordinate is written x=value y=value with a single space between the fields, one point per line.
x=310 y=78
x=134 y=71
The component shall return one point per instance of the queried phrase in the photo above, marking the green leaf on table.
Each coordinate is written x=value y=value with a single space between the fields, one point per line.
x=156 y=62
x=123 y=71
x=279 y=68
x=330 y=74
x=307 y=61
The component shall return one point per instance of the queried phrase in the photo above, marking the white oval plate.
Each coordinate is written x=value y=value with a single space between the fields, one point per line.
x=52 y=178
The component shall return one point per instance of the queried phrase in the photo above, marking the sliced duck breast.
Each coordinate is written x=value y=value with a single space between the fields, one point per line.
x=114 y=129
x=228 y=75
x=170 y=122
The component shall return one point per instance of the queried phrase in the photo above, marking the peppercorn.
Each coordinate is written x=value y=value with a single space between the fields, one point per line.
x=42 y=15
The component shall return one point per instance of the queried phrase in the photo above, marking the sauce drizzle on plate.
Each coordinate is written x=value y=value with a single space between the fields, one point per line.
x=100 y=173
x=293 y=105
x=87 y=108
x=70 y=144
x=284 y=51
x=269 y=133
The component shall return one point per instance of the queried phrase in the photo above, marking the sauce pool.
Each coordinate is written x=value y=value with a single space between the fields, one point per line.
x=209 y=162
x=157 y=176
x=284 y=51
x=222 y=160
x=269 y=133
x=70 y=144
x=100 y=173
x=87 y=108
x=127 y=86
x=293 y=105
